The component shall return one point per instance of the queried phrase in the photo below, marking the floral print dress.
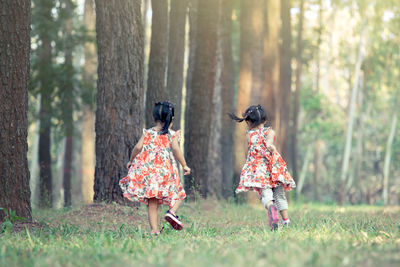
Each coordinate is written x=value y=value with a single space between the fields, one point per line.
x=154 y=172
x=263 y=169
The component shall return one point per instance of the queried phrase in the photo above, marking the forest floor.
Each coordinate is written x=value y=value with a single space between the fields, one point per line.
x=216 y=234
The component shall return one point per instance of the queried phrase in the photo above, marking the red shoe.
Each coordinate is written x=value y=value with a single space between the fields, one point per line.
x=273 y=217
x=173 y=221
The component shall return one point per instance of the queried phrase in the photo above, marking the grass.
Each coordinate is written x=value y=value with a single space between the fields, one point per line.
x=216 y=234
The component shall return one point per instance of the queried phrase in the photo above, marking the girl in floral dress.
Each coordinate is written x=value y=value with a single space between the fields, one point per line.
x=265 y=171
x=153 y=176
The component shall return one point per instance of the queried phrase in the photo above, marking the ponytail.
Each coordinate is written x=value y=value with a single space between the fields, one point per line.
x=167 y=123
x=236 y=118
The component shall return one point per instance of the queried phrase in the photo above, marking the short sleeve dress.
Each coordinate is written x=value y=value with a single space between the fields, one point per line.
x=263 y=169
x=154 y=172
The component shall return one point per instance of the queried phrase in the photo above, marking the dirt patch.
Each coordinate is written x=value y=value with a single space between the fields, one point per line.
x=21 y=226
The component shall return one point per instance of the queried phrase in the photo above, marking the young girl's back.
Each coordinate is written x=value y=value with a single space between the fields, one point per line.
x=264 y=171
x=153 y=176
x=263 y=168
x=154 y=172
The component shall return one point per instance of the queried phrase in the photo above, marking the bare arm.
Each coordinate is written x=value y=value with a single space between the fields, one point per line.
x=269 y=141
x=136 y=150
x=179 y=156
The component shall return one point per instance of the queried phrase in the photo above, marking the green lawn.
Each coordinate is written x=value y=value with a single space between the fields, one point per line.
x=216 y=234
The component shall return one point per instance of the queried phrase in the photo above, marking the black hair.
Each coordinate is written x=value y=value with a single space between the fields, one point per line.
x=164 y=112
x=253 y=114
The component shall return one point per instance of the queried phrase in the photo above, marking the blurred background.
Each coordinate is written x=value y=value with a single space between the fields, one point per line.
x=326 y=72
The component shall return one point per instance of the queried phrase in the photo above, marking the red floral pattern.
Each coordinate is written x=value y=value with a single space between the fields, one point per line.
x=263 y=169
x=154 y=172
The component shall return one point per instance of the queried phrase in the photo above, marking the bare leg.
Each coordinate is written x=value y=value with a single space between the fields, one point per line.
x=153 y=216
x=284 y=214
x=268 y=204
x=176 y=207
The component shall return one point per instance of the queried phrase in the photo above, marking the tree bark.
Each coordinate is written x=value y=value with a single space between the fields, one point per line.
x=203 y=81
x=14 y=76
x=89 y=76
x=285 y=79
x=45 y=76
x=119 y=99
x=176 y=53
x=270 y=94
x=299 y=64
x=228 y=94
x=158 y=58
x=346 y=156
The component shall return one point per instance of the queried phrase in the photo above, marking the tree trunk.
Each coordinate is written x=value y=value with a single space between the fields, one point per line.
x=360 y=136
x=203 y=81
x=299 y=64
x=68 y=100
x=245 y=86
x=45 y=77
x=388 y=154
x=176 y=53
x=14 y=76
x=192 y=17
x=158 y=58
x=346 y=156
x=257 y=49
x=145 y=7
x=285 y=78
x=119 y=99
x=270 y=96
x=89 y=76
x=228 y=93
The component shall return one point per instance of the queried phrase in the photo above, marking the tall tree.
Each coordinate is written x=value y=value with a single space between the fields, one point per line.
x=203 y=81
x=245 y=84
x=46 y=84
x=228 y=93
x=14 y=75
x=257 y=47
x=192 y=19
x=158 y=57
x=299 y=65
x=285 y=78
x=270 y=93
x=318 y=143
x=349 y=134
x=119 y=98
x=67 y=102
x=176 y=53
x=89 y=76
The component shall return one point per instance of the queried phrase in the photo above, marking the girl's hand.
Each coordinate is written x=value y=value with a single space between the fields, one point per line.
x=186 y=170
x=128 y=164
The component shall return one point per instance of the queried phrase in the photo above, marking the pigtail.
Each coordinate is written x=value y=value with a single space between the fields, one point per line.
x=236 y=118
x=167 y=122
